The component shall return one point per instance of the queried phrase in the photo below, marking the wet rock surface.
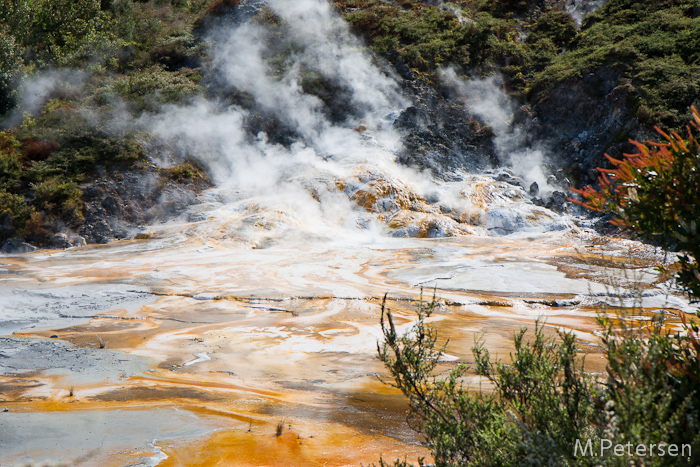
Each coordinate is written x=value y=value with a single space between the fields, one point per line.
x=21 y=356
x=437 y=133
x=116 y=207
x=16 y=246
x=47 y=308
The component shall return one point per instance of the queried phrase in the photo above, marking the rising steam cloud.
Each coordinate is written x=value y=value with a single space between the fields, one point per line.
x=312 y=40
x=324 y=46
x=36 y=90
x=486 y=99
x=311 y=177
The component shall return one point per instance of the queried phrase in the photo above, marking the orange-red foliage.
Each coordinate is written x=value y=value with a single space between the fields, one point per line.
x=38 y=150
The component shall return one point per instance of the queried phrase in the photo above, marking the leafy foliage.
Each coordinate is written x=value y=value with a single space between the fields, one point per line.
x=59 y=198
x=655 y=192
x=544 y=401
x=135 y=56
x=653 y=44
x=651 y=393
x=58 y=32
x=10 y=70
x=473 y=36
x=14 y=213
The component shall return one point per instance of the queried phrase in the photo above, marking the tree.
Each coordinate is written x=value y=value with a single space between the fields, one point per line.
x=10 y=70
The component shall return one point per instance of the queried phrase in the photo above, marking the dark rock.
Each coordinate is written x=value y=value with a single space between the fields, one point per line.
x=534 y=189
x=16 y=246
x=413 y=118
x=556 y=201
x=127 y=200
x=112 y=206
x=6 y=225
x=583 y=118
x=59 y=241
x=438 y=135
x=511 y=179
x=91 y=192
x=98 y=231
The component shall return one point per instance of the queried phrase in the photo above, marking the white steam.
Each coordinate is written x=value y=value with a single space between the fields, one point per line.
x=298 y=178
x=326 y=165
x=36 y=90
x=486 y=99
x=579 y=9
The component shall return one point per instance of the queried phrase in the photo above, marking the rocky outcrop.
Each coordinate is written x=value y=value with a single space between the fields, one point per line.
x=583 y=118
x=14 y=246
x=437 y=133
x=115 y=207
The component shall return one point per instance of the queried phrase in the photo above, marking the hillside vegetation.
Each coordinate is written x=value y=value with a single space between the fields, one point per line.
x=652 y=46
x=72 y=74
x=93 y=62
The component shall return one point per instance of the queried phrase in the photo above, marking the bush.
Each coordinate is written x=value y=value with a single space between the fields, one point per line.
x=655 y=193
x=654 y=45
x=59 y=199
x=153 y=87
x=544 y=403
x=10 y=69
x=14 y=214
x=10 y=162
x=58 y=31
x=183 y=172
x=555 y=25
x=427 y=36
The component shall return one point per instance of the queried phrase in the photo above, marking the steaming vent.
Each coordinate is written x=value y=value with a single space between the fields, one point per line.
x=298 y=131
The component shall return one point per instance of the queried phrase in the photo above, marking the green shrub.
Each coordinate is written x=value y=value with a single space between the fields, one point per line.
x=183 y=172
x=59 y=31
x=14 y=214
x=544 y=383
x=544 y=403
x=10 y=71
x=157 y=86
x=652 y=390
x=655 y=193
x=652 y=44
x=555 y=25
x=59 y=199
x=10 y=162
x=428 y=37
x=137 y=52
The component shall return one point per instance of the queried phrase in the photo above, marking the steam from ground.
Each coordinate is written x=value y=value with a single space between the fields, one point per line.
x=579 y=9
x=36 y=90
x=486 y=99
x=324 y=155
x=312 y=40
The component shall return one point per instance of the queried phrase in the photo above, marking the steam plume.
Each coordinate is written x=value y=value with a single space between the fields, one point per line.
x=486 y=99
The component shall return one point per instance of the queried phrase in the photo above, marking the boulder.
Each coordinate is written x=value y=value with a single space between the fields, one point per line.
x=59 y=241
x=15 y=246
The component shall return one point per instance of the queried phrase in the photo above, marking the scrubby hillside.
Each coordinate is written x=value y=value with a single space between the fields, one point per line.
x=630 y=65
x=76 y=76
x=73 y=75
